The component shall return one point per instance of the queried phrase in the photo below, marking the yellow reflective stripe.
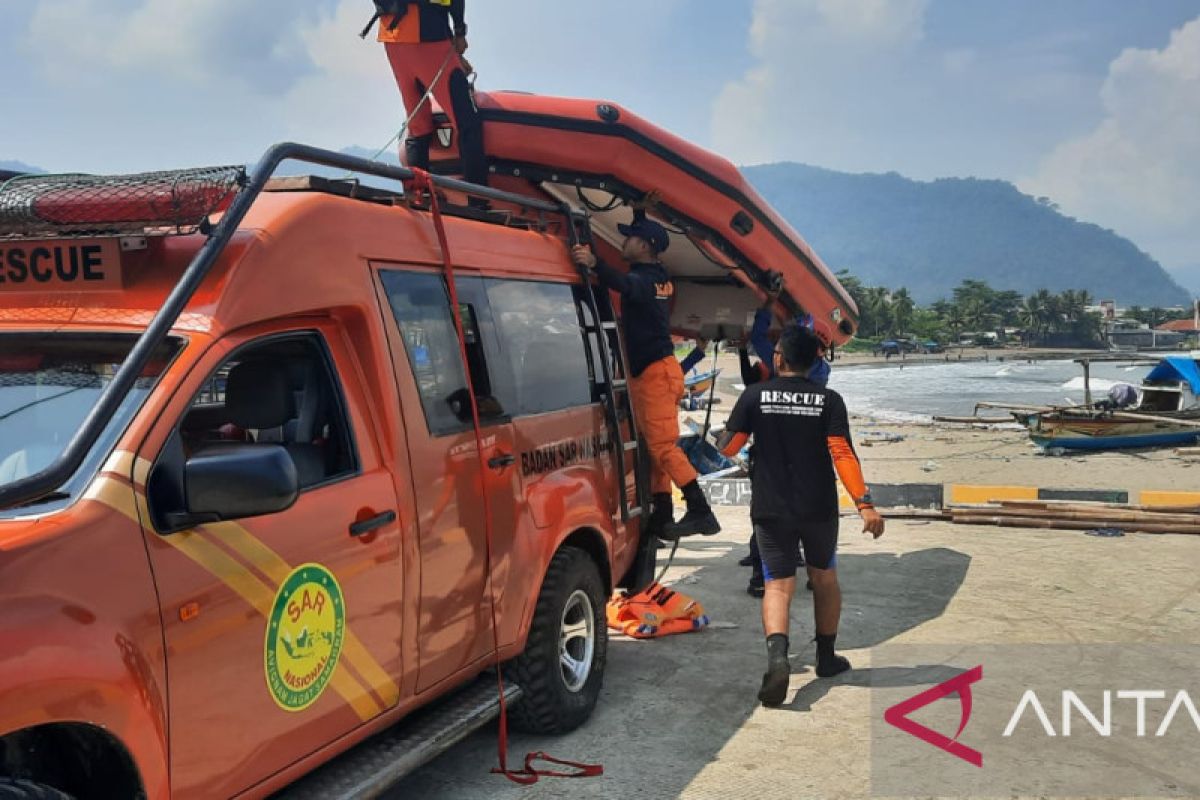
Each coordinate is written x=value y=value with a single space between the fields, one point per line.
x=261 y=597
x=273 y=566
x=115 y=495
x=258 y=595
x=120 y=462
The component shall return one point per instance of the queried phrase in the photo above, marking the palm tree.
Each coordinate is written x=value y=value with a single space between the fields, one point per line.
x=956 y=321
x=902 y=309
x=1072 y=305
x=875 y=298
x=978 y=315
x=1055 y=313
x=1033 y=316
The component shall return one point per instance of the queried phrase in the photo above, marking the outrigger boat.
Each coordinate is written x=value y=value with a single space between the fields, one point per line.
x=727 y=243
x=1166 y=412
x=697 y=384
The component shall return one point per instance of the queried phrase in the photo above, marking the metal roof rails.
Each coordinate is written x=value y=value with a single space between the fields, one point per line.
x=49 y=479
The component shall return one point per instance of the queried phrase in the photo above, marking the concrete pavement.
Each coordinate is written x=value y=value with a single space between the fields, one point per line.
x=678 y=716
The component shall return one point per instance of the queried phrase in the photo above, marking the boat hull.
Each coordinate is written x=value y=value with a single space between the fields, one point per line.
x=699 y=384
x=1105 y=433
x=726 y=239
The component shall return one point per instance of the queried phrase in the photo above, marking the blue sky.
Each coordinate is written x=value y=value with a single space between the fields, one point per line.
x=1095 y=103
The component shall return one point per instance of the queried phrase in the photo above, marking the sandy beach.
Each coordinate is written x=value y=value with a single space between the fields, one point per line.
x=905 y=452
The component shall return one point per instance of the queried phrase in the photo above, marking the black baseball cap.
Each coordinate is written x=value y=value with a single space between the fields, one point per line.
x=649 y=230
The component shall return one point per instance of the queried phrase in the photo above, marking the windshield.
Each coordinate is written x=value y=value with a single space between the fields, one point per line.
x=48 y=383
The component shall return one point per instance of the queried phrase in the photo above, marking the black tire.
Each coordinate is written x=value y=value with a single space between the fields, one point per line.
x=550 y=705
x=28 y=790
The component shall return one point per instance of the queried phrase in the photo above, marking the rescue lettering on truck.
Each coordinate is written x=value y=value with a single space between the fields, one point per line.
x=45 y=266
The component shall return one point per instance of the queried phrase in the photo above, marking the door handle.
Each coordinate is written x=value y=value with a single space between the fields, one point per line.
x=374 y=523
x=501 y=461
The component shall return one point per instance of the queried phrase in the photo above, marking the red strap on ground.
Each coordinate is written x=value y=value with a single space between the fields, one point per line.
x=422 y=183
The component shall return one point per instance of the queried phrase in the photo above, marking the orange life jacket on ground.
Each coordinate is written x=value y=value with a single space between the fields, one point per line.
x=655 y=611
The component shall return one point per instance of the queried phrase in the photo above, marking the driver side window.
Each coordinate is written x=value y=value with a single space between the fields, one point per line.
x=279 y=392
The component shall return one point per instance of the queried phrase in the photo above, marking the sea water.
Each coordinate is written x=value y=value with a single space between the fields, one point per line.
x=917 y=392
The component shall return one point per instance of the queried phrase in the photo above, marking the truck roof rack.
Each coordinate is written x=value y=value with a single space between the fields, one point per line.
x=65 y=206
x=355 y=189
x=240 y=191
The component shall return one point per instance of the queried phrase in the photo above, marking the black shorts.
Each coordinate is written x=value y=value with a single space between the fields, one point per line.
x=779 y=541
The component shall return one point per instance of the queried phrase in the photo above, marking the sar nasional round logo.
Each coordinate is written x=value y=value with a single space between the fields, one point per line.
x=304 y=636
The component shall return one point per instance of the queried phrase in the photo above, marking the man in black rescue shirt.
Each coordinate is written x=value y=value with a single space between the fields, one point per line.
x=801 y=435
x=656 y=380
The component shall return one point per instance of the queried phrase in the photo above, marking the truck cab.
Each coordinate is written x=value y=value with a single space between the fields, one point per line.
x=356 y=470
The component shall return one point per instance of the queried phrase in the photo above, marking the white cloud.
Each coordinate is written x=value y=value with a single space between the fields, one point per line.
x=1138 y=171
x=351 y=97
x=196 y=42
x=812 y=53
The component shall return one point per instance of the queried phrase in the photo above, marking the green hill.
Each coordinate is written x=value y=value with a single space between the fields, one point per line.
x=929 y=236
x=17 y=166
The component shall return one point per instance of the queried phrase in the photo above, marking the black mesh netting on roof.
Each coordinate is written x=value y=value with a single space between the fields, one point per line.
x=177 y=201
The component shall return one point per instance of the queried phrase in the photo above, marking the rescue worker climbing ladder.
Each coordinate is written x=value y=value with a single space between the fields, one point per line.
x=425 y=41
x=656 y=379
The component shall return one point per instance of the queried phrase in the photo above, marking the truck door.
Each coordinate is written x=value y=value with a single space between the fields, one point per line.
x=455 y=628
x=282 y=630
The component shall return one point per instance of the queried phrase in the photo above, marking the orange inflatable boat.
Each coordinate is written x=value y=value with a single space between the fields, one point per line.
x=726 y=241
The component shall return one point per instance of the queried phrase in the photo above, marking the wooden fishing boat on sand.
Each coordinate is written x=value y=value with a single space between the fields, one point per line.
x=1166 y=412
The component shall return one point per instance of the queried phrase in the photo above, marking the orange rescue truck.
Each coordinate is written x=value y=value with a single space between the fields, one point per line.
x=247 y=459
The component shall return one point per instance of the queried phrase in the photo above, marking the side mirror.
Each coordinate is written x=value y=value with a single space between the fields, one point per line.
x=243 y=480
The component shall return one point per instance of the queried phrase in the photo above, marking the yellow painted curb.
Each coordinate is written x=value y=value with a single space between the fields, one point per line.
x=965 y=493
x=1155 y=498
x=844 y=500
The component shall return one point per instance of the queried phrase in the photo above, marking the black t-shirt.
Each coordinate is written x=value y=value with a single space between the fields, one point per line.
x=645 y=311
x=791 y=419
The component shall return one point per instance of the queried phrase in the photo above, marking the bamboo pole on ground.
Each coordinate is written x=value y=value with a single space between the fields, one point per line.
x=1099 y=518
x=1062 y=524
x=1083 y=505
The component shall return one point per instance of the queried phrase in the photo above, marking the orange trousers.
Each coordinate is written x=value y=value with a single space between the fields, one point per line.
x=415 y=66
x=656 y=394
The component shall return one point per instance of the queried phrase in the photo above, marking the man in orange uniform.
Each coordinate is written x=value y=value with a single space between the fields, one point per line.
x=424 y=38
x=656 y=380
x=801 y=435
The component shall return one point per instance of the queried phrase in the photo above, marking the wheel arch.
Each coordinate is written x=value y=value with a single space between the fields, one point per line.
x=81 y=759
x=592 y=542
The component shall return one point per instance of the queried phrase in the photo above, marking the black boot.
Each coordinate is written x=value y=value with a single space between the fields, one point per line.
x=751 y=558
x=829 y=663
x=779 y=670
x=416 y=151
x=662 y=516
x=699 y=517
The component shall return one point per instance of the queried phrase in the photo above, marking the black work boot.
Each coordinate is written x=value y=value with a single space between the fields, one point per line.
x=779 y=671
x=699 y=517
x=757 y=587
x=662 y=516
x=829 y=663
x=416 y=151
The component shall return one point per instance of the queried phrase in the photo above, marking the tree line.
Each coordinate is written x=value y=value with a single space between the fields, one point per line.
x=976 y=307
